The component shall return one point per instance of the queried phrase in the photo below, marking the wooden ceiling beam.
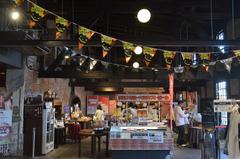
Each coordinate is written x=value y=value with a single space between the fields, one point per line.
x=150 y=43
x=71 y=73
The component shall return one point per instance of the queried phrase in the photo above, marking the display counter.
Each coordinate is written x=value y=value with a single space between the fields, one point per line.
x=143 y=142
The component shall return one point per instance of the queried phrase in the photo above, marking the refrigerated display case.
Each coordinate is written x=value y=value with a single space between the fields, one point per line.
x=48 y=128
x=152 y=141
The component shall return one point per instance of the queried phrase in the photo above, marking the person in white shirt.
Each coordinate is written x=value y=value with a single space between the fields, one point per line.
x=180 y=120
x=98 y=117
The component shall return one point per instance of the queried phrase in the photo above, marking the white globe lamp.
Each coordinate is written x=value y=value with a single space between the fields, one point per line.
x=15 y=15
x=135 y=65
x=143 y=15
x=138 y=50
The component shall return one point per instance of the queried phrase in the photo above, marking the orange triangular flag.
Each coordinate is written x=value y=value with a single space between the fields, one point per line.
x=127 y=59
x=104 y=53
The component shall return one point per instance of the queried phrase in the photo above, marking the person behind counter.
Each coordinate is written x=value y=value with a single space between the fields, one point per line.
x=180 y=120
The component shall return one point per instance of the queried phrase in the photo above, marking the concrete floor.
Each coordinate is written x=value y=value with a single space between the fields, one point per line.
x=70 y=151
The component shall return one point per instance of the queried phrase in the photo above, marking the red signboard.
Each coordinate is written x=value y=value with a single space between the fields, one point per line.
x=146 y=97
x=104 y=102
x=94 y=100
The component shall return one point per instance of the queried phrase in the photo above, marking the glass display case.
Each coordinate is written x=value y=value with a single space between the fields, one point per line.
x=48 y=128
x=151 y=141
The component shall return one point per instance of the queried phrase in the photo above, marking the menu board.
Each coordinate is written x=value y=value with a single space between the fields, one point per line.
x=140 y=97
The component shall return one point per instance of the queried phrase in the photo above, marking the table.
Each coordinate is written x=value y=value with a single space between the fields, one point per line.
x=84 y=124
x=94 y=136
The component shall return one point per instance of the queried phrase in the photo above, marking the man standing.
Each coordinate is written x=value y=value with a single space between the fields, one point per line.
x=180 y=117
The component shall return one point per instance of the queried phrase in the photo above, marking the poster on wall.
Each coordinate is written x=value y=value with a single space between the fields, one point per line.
x=104 y=102
x=94 y=100
x=5 y=130
x=92 y=103
x=192 y=100
x=112 y=106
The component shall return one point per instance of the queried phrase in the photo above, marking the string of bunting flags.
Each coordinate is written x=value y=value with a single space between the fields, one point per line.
x=38 y=13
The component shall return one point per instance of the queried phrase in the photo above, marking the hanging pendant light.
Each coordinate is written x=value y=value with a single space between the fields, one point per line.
x=135 y=65
x=144 y=15
x=138 y=50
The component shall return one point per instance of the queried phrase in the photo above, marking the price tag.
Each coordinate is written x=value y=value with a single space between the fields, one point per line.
x=155 y=137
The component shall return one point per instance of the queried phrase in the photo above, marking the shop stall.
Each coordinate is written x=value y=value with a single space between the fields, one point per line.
x=142 y=136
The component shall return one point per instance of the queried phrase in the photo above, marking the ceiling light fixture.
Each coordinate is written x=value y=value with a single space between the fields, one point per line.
x=138 y=50
x=66 y=56
x=135 y=65
x=15 y=15
x=143 y=15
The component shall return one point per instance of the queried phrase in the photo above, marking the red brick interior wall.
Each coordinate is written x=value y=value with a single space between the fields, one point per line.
x=60 y=86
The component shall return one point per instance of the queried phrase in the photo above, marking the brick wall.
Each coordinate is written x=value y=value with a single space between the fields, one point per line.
x=60 y=86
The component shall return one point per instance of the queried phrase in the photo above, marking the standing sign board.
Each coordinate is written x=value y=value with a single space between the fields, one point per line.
x=223 y=105
x=5 y=130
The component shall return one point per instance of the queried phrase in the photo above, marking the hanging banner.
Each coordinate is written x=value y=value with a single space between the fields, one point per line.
x=128 y=50
x=61 y=25
x=148 y=54
x=107 y=43
x=36 y=13
x=171 y=92
x=18 y=2
x=212 y=63
x=228 y=64
x=205 y=58
x=187 y=58
x=84 y=35
x=168 y=56
x=237 y=53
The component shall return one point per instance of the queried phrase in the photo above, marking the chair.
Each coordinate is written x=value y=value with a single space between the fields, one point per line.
x=73 y=131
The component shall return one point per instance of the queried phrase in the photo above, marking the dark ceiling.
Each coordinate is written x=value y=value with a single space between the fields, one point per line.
x=171 y=19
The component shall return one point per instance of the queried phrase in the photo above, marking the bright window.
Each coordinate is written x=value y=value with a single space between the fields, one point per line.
x=221 y=93
x=220 y=36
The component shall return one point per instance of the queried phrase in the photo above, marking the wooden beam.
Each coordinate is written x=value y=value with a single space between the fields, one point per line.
x=150 y=43
x=69 y=72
